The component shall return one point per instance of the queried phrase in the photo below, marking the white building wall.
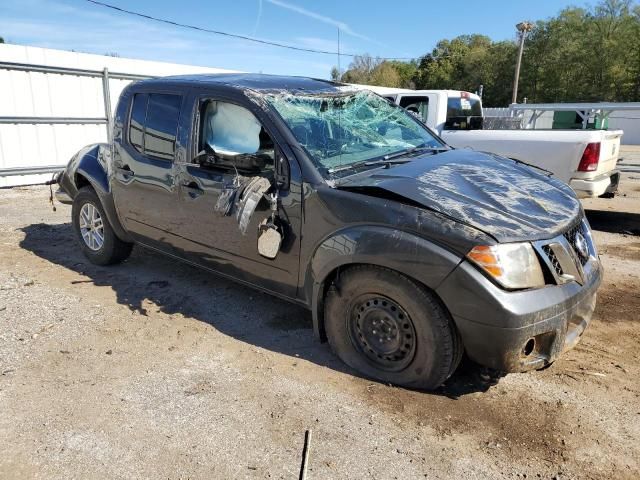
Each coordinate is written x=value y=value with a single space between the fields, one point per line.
x=54 y=95
x=629 y=121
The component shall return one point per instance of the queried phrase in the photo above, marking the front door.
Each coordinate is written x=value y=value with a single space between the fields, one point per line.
x=244 y=151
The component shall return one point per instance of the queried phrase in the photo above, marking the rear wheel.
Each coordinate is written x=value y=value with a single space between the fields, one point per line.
x=97 y=238
x=389 y=328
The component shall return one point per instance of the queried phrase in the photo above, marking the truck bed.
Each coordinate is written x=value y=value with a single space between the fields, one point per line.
x=558 y=151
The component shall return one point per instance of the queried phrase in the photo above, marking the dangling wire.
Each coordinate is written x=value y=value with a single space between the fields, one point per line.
x=51 y=182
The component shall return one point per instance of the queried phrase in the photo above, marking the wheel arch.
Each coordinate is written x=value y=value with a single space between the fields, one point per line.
x=89 y=169
x=419 y=259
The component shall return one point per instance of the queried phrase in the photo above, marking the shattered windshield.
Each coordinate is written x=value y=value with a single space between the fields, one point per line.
x=338 y=130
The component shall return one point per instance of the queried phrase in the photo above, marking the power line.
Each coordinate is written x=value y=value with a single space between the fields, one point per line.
x=234 y=35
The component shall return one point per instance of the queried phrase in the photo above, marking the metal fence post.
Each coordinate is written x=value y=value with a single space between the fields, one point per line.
x=58 y=120
x=107 y=103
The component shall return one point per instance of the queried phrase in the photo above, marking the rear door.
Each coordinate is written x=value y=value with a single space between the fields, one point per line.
x=144 y=181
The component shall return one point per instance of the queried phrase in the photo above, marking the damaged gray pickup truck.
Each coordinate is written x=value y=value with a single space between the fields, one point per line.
x=407 y=252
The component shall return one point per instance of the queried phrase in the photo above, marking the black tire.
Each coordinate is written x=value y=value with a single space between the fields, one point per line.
x=112 y=250
x=407 y=338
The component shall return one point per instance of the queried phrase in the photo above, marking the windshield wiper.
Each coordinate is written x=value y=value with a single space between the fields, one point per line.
x=349 y=166
x=388 y=159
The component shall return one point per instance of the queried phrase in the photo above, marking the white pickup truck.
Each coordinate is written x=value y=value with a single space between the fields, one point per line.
x=585 y=159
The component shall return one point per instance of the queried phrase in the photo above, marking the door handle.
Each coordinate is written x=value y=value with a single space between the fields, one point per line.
x=193 y=189
x=125 y=171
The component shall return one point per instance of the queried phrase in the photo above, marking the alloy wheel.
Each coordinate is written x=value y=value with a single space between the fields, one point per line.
x=91 y=227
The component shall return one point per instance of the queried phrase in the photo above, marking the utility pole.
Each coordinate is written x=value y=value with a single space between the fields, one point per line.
x=523 y=28
x=339 y=71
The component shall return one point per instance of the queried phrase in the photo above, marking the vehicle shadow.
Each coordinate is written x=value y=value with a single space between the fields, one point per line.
x=614 y=222
x=148 y=280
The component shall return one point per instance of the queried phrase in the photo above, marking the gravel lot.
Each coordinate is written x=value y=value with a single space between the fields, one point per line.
x=153 y=369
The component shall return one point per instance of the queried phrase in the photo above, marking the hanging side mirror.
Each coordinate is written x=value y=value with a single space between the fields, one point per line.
x=269 y=239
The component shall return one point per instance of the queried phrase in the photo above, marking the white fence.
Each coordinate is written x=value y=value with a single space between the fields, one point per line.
x=627 y=120
x=496 y=112
x=54 y=102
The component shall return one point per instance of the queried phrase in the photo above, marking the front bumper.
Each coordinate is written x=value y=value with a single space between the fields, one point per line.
x=522 y=330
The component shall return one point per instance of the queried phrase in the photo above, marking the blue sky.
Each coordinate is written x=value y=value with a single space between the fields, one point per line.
x=408 y=28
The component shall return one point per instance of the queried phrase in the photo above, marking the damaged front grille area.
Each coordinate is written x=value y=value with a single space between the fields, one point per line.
x=553 y=259
x=566 y=255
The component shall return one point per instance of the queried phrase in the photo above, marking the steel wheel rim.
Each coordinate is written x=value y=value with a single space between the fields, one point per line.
x=91 y=227
x=383 y=332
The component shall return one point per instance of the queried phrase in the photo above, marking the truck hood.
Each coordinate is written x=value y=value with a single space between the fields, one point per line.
x=503 y=198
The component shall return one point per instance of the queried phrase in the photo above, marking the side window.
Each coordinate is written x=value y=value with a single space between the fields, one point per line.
x=136 y=125
x=419 y=106
x=235 y=137
x=161 y=126
x=154 y=124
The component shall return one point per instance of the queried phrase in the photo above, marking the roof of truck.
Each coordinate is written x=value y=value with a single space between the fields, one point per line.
x=252 y=81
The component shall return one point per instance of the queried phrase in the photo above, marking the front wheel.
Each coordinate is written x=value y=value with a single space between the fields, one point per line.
x=97 y=238
x=389 y=328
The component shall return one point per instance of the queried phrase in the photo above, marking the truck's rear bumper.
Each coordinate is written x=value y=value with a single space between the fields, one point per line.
x=518 y=331
x=61 y=194
x=63 y=197
x=591 y=188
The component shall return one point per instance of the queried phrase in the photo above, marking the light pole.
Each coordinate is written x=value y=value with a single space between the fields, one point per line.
x=523 y=28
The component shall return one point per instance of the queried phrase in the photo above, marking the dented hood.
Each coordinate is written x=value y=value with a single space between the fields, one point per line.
x=498 y=196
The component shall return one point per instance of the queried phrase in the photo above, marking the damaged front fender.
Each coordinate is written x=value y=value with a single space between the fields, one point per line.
x=416 y=257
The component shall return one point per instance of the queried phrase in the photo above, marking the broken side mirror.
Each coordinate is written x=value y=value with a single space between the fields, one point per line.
x=205 y=158
x=282 y=173
x=269 y=239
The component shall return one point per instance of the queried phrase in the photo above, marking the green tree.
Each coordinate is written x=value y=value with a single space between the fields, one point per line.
x=335 y=74
x=384 y=74
x=360 y=69
x=581 y=54
x=406 y=72
x=1 y=40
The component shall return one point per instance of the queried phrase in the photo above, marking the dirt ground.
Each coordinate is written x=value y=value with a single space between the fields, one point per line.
x=154 y=369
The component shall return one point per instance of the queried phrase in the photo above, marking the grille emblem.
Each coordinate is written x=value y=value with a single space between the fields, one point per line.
x=581 y=245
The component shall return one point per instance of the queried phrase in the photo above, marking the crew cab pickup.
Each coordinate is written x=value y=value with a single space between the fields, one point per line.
x=407 y=252
x=585 y=159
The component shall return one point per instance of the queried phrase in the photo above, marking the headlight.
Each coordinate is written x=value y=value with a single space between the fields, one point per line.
x=512 y=265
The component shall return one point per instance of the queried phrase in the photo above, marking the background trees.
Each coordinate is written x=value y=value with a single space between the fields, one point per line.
x=582 y=54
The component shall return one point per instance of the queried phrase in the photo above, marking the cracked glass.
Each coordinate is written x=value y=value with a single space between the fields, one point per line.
x=337 y=130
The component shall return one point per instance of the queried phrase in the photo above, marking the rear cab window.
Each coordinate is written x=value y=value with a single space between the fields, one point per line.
x=418 y=106
x=153 y=124
x=464 y=112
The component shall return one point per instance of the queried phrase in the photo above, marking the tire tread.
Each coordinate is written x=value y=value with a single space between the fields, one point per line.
x=439 y=317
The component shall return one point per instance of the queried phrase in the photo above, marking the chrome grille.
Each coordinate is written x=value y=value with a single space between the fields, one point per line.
x=570 y=235
x=562 y=255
